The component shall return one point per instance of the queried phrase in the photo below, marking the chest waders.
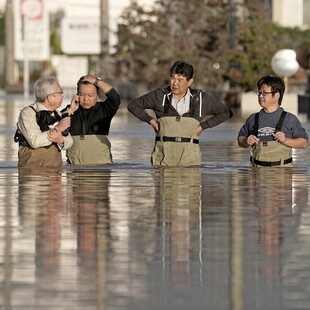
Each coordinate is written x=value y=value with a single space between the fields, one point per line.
x=270 y=153
x=48 y=156
x=177 y=143
x=90 y=150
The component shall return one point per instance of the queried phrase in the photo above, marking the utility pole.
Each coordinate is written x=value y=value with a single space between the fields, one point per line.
x=104 y=38
x=9 y=46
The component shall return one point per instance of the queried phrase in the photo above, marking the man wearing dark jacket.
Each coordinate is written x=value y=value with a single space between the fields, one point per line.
x=182 y=113
x=91 y=122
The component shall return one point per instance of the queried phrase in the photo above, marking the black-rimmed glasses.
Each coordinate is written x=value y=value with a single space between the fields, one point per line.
x=265 y=93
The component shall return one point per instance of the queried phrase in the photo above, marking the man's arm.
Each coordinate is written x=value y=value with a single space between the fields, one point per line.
x=219 y=112
x=28 y=126
x=138 y=106
x=297 y=143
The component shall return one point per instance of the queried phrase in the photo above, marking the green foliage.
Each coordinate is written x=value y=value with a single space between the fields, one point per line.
x=222 y=45
x=257 y=43
x=150 y=41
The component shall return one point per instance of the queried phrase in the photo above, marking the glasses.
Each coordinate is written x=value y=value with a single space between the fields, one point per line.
x=265 y=93
x=55 y=93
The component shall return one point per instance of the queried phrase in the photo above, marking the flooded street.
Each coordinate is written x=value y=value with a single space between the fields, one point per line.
x=129 y=236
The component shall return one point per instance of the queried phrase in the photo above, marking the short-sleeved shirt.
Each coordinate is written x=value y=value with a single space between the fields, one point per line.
x=291 y=127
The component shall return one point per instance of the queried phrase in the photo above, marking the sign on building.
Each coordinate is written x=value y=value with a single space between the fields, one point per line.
x=80 y=36
x=31 y=30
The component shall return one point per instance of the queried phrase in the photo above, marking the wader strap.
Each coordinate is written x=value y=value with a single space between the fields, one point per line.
x=270 y=163
x=176 y=139
x=278 y=126
x=280 y=122
x=256 y=125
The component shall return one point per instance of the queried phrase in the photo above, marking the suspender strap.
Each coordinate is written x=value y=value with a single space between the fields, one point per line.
x=278 y=126
x=256 y=124
x=280 y=122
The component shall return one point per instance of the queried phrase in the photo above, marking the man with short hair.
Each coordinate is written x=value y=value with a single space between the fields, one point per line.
x=41 y=131
x=182 y=113
x=272 y=132
x=91 y=120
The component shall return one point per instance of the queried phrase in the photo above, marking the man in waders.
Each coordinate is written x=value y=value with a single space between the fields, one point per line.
x=272 y=132
x=41 y=131
x=91 y=120
x=181 y=114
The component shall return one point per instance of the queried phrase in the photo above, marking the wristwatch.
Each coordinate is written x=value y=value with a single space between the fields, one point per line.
x=98 y=79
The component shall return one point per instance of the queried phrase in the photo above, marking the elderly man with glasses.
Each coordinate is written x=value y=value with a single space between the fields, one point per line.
x=272 y=133
x=41 y=131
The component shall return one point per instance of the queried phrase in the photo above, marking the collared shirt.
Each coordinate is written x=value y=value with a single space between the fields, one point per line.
x=181 y=105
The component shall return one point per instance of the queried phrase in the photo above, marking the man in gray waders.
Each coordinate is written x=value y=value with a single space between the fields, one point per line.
x=181 y=114
x=272 y=132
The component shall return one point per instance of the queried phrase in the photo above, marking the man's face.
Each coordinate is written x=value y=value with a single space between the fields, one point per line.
x=266 y=98
x=55 y=98
x=88 y=95
x=179 y=85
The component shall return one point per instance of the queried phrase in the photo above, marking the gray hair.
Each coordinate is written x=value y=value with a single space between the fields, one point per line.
x=44 y=87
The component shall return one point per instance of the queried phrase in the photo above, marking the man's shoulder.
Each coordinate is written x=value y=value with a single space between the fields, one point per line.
x=29 y=110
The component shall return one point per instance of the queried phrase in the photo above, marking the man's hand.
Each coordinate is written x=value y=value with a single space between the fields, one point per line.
x=74 y=105
x=247 y=141
x=63 y=124
x=280 y=137
x=252 y=139
x=199 y=130
x=89 y=78
x=154 y=124
x=54 y=135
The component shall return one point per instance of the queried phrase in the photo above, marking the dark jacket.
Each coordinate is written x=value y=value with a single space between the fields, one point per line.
x=204 y=108
x=97 y=119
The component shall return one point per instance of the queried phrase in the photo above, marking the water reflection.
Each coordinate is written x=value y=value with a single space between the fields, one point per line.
x=178 y=195
x=89 y=207
x=129 y=236
x=278 y=196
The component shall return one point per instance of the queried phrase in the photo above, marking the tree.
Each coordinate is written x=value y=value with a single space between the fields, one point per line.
x=222 y=44
x=258 y=40
x=150 y=41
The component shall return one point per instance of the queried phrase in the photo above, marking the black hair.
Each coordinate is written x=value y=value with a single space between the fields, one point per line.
x=275 y=82
x=80 y=81
x=182 y=68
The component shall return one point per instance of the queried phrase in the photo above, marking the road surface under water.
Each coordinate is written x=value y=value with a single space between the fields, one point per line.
x=129 y=236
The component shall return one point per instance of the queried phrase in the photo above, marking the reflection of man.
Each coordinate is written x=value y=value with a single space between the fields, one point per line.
x=182 y=114
x=40 y=130
x=91 y=120
x=90 y=211
x=40 y=198
x=272 y=132
x=179 y=193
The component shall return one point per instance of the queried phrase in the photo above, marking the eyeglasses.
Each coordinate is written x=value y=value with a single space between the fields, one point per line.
x=265 y=93
x=55 y=93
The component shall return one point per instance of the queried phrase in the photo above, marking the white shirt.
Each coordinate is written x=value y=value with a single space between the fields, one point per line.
x=181 y=105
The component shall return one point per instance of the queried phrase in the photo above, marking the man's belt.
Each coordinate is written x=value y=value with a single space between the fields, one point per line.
x=176 y=139
x=270 y=163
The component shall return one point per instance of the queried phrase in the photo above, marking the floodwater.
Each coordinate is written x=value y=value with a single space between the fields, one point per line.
x=128 y=236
